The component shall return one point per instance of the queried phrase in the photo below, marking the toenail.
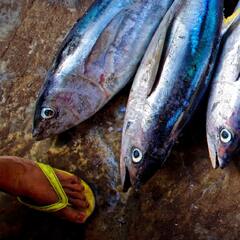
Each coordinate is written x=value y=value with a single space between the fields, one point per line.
x=87 y=205
x=80 y=217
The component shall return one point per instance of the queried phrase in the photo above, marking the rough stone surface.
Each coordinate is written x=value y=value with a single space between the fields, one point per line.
x=186 y=199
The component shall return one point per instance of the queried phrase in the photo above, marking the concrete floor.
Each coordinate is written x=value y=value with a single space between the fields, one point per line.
x=186 y=199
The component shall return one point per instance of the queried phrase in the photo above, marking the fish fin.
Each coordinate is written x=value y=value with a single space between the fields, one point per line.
x=156 y=53
x=228 y=22
x=161 y=35
x=156 y=46
x=101 y=48
x=158 y=66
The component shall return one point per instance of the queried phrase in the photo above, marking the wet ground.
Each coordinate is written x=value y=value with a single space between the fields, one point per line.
x=186 y=199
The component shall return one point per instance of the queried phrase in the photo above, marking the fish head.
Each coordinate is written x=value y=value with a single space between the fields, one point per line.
x=132 y=155
x=223 y=137
x=138 y=160
x=54 y=114
x=60 y=108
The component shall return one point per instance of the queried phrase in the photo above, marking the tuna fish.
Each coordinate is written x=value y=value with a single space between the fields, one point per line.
x=97 y=59
x=169 y=84
x=223 y=122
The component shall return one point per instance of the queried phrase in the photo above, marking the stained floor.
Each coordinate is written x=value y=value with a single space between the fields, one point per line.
x=186 y=199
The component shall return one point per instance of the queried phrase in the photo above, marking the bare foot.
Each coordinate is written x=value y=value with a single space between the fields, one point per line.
x=24 y=178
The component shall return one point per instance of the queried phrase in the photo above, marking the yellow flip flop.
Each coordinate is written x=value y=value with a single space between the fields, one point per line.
x=62 y=197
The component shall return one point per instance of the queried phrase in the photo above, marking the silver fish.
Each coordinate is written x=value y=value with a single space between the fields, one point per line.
x=167 y=88
x=223 y=122
x=97 y=59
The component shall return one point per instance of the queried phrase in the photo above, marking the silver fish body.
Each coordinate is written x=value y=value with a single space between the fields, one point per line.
x=223 y=122
x=167 y=90
x=93 y=66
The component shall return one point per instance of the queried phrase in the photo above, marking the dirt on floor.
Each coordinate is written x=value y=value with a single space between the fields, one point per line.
x=186 y=199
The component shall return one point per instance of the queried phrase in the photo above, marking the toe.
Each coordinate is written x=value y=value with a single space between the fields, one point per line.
x=74 y=194
x=77 y=203
x=76 y=187
x=72 y=215
x=67 y=178
x=70 y=181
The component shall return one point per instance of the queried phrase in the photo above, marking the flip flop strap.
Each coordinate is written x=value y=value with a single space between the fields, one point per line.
x=55 y=183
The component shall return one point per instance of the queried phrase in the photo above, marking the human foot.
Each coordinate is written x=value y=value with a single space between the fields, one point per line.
x=24 y=178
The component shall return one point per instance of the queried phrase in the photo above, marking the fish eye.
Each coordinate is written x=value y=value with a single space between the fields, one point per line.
x=47 y=113
x=136 y=155
x=225 y=135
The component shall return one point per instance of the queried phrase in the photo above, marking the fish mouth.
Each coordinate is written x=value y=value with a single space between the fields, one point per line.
x=212 y=152
x=125 y=178
x=214 y=158
x=125 y=175
x=217 y=161
x=127 y=182
x=136 y=179
x=37 y=134
x=222 y=162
